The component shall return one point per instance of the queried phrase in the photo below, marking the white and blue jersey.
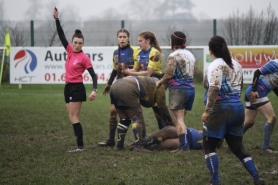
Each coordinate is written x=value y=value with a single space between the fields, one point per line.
x=183 y=62
x=228 y=80
x=227 y=115
x=268 y=81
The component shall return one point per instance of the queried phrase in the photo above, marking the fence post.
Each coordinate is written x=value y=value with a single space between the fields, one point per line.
x=214 y=27
x=122 y=24
x=32 y=34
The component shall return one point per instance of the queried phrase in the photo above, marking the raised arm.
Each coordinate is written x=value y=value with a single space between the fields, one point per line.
x=60 y=31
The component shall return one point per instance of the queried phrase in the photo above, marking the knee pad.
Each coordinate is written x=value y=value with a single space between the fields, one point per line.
x=125 y=122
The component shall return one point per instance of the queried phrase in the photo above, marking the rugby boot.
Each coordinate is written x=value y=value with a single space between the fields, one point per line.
x=270 y=150
x=210 y=183
x=107 y=143
x=77 y=149
x=260 y=181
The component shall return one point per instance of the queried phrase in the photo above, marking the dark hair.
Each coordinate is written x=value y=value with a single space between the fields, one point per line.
x=128 y=44
x=123 y=31
x=218 y=46
x=78 y=34
x=178 y=40
x=150 y=35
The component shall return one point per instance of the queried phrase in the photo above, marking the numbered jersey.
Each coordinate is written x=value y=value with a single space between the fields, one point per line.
x=149 y=59
x=228 y=80
x=126 y=55
x=180 y=64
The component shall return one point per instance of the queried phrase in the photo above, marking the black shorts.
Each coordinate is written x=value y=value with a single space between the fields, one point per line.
x=75 y=92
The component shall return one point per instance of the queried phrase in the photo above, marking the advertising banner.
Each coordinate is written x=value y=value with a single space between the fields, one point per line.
x=32 y=65
x=250 y=58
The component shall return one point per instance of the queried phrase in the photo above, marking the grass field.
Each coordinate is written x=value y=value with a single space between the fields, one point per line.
x=36 y=133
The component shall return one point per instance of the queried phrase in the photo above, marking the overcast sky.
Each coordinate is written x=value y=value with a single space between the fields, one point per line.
x=86 y=9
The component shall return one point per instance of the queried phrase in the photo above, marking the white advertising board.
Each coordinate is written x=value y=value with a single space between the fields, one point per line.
x=33 y=65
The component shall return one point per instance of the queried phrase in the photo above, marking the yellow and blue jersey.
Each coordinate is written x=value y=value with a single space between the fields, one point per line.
x=127 y=56
x=149 y=59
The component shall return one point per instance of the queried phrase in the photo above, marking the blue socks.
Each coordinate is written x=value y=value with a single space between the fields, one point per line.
x=183 y=142
x=248 y=163
x=212 y=165
x=267 y=136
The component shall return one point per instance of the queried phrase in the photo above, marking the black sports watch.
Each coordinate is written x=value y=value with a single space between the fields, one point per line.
x=95 y=90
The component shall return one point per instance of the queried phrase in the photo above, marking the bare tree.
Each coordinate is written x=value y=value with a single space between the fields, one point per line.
x=17 y=32
x=174 y=9
x=271 y=27
x=170 y=30
x=247 y=29
x=252 y=25
x=48 y=33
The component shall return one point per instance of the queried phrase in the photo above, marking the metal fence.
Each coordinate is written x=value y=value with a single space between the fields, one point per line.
x=103 y=32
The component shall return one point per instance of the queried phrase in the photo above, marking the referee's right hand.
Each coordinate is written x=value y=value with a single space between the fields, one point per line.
x=55 y=14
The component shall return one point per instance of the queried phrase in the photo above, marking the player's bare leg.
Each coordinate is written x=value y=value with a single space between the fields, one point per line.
x=168 y=132
x=269 y=114
x=178 y=117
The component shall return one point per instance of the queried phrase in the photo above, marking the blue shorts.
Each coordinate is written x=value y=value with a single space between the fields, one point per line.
x=224 y=119
x=262 y=100
x=194 y=139
x=181 y=99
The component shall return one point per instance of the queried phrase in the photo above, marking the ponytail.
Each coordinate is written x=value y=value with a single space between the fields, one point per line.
x=151 y=36
x=219 y=48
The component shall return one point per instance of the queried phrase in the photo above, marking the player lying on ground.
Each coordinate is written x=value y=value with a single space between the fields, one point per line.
x=167 y=139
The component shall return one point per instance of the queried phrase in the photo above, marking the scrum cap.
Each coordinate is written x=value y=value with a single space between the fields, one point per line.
x=178 y=38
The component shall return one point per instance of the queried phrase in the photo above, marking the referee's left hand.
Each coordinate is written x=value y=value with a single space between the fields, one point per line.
x=93 y=95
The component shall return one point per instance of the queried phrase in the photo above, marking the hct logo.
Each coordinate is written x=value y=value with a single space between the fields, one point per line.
x=28 y=58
